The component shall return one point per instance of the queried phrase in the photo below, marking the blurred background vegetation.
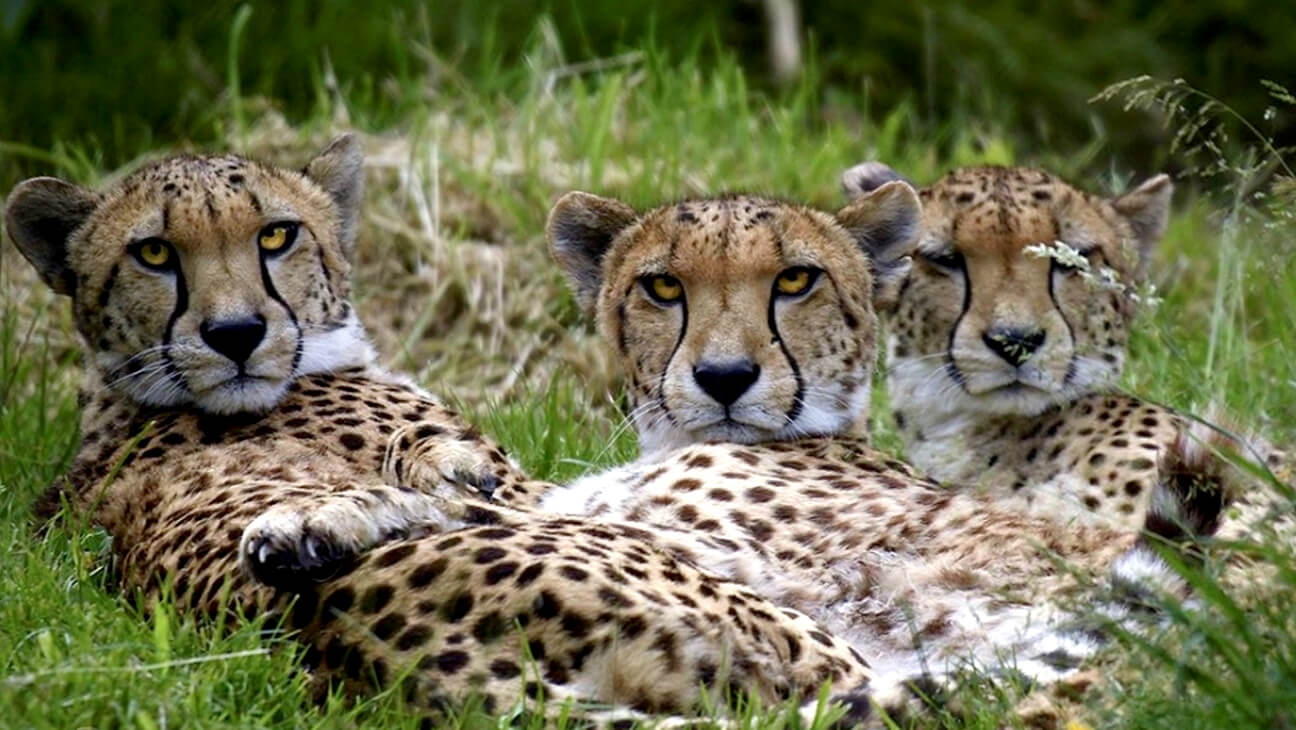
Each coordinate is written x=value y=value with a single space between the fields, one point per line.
x=117 y=77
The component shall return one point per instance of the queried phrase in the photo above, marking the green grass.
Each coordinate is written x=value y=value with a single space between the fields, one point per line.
x=453 y=278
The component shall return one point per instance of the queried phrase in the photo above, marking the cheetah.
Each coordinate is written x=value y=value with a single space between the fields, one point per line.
x=1008 y=325
x=230 y=389
x=739 y=320
x=747 y=330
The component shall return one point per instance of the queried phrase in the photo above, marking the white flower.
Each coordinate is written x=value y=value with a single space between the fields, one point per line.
x=1105 y=278
x=1060 y=252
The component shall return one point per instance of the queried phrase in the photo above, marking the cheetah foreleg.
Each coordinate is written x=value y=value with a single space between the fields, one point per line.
x=314 y=540
x=439 y=459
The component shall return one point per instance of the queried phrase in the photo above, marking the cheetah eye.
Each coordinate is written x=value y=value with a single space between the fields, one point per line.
x=796 y=280
x=952 y=261
x=277 y=237
x=663 y=288
x=154 y=253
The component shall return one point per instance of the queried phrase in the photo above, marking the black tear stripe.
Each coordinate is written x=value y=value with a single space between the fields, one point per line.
x=949 y=346
x=181 y=306
x=273 y=293
x=798 y=399
x=661 y=382
x=1071 y=366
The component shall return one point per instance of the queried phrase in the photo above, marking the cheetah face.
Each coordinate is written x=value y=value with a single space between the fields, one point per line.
x=1018 y=295
x=737 y=319
x=212 y=281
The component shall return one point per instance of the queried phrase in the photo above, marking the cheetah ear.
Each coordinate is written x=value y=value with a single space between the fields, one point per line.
x=40 y=216
x=867 y=177
x=885 y=223
x=1147 y=208
x=581 y=229
x=339 y=169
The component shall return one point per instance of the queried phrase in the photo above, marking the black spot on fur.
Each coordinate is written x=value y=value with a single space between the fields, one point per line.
x=414 y=636
x=376 y=598
x=452 y=661
x=426 y=573
x=395 y=555
x=505 y=669
x=499 y=572
x=458 y=607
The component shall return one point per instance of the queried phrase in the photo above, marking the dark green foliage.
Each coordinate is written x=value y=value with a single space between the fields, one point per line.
x=122 y=77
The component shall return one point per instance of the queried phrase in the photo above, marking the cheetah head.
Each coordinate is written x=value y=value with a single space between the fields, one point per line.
x=211 y=281
x=737 y=318
x=1020 y=291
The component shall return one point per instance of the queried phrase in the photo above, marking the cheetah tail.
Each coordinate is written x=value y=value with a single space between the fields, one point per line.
x=1197 y=483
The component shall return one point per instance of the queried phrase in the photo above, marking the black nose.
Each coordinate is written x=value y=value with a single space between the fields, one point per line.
x=1014 y=345
x=726 y=382
x=234 y=339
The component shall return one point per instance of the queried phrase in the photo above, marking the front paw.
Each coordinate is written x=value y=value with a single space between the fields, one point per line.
x=432 y=461
x=286 y=549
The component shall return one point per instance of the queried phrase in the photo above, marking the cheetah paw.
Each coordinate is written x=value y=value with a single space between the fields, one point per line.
x=286 y=548
x=290 y=545
x=435 y=464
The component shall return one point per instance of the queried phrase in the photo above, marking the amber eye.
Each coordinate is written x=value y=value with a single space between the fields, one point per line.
x=277 y=237
x=154 y=253
x=796 y=280
x=663 y=288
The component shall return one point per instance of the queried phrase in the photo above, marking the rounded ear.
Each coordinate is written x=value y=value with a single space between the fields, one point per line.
x=885 y=224
x=867 y=177
x=40 y=216
x=339 y=169
x=1147 y=208
x=580 y=230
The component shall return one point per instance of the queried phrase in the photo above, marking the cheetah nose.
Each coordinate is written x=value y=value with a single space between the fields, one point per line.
x=726 y=382
x=1014 y=345
x=234 y=339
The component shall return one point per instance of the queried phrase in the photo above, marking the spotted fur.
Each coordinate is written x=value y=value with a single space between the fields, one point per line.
x=916 y=576
x=1039 y=426
x=235 y=476
x=921 y=581
x=918 y=580
x=994 y=350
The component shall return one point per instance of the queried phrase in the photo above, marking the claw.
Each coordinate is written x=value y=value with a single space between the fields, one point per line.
x=263 y=553
x=312 y=549
x=485 y=483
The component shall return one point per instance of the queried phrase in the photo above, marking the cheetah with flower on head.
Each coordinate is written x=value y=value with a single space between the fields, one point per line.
x=234 y=414
x=1008 y=323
